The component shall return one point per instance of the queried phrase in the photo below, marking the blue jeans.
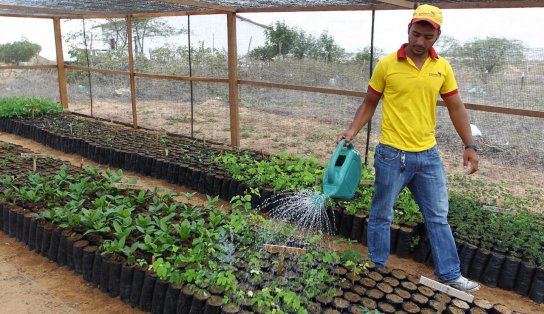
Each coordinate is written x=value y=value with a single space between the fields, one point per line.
x=423 y=173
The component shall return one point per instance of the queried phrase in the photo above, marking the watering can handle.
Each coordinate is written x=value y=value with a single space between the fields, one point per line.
x=332 y=162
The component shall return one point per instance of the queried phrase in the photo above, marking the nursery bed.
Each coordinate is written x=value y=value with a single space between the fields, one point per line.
x=511 y=300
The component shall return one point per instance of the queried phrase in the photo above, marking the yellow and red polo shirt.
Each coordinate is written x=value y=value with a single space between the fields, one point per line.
x=409 y=98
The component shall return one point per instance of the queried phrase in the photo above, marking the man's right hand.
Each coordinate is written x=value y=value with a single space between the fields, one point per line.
x=348 y=135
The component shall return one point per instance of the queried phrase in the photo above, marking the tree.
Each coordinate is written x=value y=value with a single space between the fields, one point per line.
x=326 y=49
x=491 y=54
x=303 y=45
x=282 y=38
x=363 y=56
x=18 y=51
x=447 y=46
x=264 y=53
x=114 y=31
x=285 y=41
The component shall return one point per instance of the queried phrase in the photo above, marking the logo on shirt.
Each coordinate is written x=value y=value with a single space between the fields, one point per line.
x=437 y=74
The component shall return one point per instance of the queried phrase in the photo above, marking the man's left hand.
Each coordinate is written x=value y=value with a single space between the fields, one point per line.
x=470 y=161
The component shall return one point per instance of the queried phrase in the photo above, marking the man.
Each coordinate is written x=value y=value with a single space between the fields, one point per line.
x=409 y=81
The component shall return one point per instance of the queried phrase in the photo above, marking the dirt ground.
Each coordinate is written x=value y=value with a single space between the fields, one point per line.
x=30 y=283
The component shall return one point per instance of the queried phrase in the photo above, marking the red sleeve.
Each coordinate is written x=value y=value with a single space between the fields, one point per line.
x=373 y=91
x=453 y=92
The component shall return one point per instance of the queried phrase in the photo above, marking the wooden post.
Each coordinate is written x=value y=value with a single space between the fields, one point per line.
x=282 y=250
x=33 y=110
x=131 y=69
x=233 y=80
x=63 y=94
x=34 y=158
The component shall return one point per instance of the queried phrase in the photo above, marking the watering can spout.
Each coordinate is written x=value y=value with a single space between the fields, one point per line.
x=343 y=172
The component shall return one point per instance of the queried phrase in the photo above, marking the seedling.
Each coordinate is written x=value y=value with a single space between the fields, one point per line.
x=160 y=136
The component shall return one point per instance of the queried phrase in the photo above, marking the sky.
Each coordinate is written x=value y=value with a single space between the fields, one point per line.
x=351 y=30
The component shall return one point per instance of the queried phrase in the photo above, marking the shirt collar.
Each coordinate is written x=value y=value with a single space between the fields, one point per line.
x=401 y=53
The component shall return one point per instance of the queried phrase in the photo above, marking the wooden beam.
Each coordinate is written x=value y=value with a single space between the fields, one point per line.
x=27 y=12
x=131 y=70
x=233 y=80
x=182 y=78
x=54 y=11
x=503 y=110
x=400 y=3
x=95 y=70
x=387 y=6
x=99 y=15
x=61 y=72
x=305 y=88
x=136 y=74
x=359 y=7
x=491 y=4
x=178 y=13
x=33 y=16
x=92 y=15
x=241 y=18
x=143 y=15
x=28 y=67
x=199 y=4
x=89 y=15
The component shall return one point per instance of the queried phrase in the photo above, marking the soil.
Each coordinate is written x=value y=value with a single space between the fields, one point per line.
x=30 y=283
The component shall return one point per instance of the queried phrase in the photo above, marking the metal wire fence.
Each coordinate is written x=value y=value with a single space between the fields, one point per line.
x=278 y=119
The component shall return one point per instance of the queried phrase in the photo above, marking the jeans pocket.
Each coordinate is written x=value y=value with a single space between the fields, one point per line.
x=434 y=152
x=387 y=153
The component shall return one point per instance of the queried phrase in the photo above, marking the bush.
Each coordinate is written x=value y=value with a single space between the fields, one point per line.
x=18 y=51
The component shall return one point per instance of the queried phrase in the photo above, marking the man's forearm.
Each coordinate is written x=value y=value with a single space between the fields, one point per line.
x=362 y=116
x=459 y=118
x=364 y=113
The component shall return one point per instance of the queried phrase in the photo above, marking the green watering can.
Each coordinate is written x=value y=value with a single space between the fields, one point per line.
x=343 y=172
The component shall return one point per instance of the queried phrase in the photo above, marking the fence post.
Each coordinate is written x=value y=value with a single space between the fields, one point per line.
x=233 y=80
x=131 y=69
x=63 y=94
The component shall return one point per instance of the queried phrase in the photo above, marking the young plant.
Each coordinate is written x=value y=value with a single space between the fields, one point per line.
x=351 y=259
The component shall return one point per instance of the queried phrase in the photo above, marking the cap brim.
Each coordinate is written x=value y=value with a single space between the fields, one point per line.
x=436 y=26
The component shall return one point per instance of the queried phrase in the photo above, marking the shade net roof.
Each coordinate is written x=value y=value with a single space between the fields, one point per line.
x=90 y=8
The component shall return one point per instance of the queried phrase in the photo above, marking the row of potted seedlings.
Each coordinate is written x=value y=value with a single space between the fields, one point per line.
x=164 y=256
x=511 y=258
x=178 y=159
x=211 y=168
x=500 y=250
x=147 y=240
